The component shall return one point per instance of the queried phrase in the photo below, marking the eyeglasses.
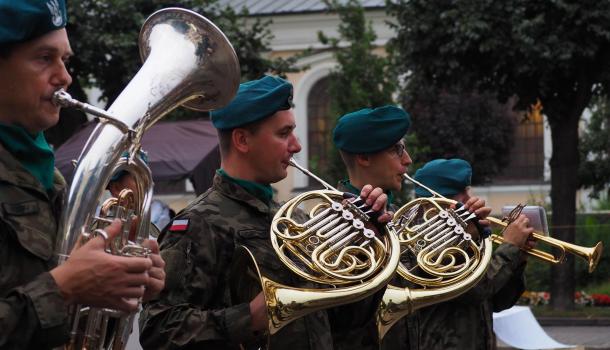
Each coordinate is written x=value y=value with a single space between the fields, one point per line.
x=398 y=149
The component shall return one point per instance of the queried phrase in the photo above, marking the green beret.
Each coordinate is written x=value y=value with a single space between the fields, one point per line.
x=448 y=177
x=371 y=130
x=22 y=20
x=255 y=100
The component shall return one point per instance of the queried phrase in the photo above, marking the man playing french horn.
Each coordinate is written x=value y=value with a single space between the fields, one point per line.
x=196 y=307
x=466 y=322
x=381 y=159
x=35 y=294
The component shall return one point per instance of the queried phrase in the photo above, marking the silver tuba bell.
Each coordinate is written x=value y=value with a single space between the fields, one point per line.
x=187 y=61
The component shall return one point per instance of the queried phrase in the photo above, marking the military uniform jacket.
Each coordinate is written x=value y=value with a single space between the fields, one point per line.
x=402 y=336
x=195 y=309
x=466 y=322
x=33 y=314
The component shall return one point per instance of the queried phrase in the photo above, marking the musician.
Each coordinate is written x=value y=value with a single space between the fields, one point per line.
x=371 y=145
x=257 y=140
x=35 y=293
x=466 y=322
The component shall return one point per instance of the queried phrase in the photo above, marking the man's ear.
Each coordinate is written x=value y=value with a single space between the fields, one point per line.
x=363 y=160
x=240 y=138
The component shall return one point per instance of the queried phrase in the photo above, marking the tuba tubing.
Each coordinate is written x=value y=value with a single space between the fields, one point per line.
x=159 y=86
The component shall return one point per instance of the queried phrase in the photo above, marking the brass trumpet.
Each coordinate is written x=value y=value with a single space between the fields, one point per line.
x=589 y=254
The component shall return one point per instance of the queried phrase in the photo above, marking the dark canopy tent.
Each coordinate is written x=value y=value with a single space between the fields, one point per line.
x=176 y=151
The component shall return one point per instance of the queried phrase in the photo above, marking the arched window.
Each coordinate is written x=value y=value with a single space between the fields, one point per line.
x=526 y=164
x=319 y=125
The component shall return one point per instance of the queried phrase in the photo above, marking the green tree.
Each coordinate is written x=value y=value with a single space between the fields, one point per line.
x=595 y=148
x=557 y=51
x=471 y=126
x=361 y=79
x=104 y=37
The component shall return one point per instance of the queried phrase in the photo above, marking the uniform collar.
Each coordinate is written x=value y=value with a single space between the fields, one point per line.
x=13 y=172
x=234 y=191
x=31 y=151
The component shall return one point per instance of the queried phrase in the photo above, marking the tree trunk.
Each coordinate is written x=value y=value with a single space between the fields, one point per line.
x=564 y=184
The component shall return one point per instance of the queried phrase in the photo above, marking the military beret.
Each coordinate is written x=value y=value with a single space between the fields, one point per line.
x=448 y=177
x=255 y=100
x=21 y=20
x=371 y=130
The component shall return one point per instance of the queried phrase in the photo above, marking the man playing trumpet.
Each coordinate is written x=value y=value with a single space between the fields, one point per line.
x=466 y=322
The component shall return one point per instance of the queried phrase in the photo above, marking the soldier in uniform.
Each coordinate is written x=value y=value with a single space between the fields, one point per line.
x=466 y=322
x=195 y=310
x=372 y=147
x=34 y=292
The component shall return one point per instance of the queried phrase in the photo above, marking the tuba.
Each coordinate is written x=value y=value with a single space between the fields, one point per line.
x=329 y=246
x=187 y=61
x=445 y=259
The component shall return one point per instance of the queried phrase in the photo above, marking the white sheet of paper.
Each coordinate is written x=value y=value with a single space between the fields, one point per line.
x=519 y=328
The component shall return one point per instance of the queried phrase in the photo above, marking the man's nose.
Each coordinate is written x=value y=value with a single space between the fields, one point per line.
x=295 y=145
x=406 y=159
x=61 y=78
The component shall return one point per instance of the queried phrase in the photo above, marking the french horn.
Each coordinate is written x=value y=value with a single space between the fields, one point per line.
x=187 y=61
x=330 y=246
x=444 y=269
x=446 y=258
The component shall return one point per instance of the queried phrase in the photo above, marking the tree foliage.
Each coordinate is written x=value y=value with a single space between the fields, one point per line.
x=361 y=79
x=471 y=126
x=595 y=148
x=104 y=37
x=557 y=51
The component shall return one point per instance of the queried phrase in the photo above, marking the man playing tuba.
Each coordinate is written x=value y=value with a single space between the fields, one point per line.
x=257 y=141
x=34 y=293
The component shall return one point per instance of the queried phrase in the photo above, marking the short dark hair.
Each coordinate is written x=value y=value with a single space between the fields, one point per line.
x=225 y=136
x=349 y=159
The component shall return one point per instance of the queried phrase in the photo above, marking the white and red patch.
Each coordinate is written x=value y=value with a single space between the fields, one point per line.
x=179 y=225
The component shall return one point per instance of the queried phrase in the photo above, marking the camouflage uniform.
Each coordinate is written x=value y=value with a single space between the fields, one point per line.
x=402 y=335
x=33 y=314
x=195 y=308
x=466 y=322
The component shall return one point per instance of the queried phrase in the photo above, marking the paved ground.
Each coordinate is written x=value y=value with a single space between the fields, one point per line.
x=586 y=338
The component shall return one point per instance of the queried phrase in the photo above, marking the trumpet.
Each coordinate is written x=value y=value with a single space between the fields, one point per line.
x=590 y=254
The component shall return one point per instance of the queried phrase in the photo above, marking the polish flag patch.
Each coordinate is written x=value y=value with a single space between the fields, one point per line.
x=179 y=225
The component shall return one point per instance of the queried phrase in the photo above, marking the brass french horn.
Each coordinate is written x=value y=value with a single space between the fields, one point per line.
x=446 y=260
x=448 y=269
x=330 y=246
